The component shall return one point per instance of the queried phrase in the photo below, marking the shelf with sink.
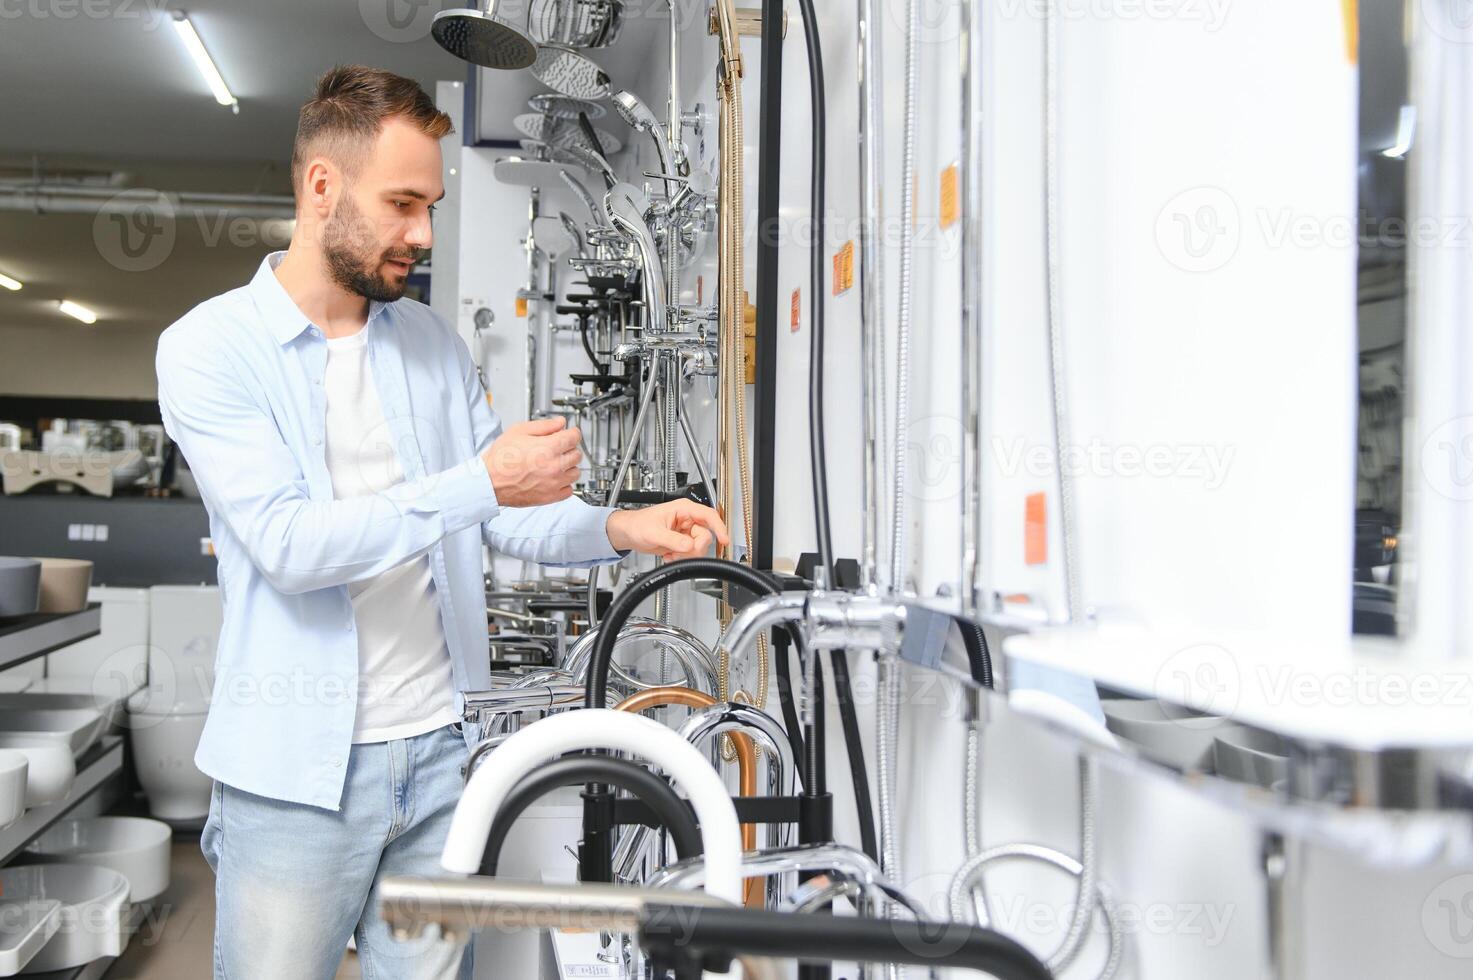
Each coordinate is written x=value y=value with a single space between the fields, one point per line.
x=24 y=638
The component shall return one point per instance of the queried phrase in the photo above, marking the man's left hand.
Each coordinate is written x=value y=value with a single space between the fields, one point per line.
x=678 y=529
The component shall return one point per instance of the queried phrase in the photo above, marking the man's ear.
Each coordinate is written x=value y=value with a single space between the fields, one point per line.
x=320 y=187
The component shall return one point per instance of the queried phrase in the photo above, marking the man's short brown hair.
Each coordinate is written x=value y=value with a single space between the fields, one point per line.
x=349 y=109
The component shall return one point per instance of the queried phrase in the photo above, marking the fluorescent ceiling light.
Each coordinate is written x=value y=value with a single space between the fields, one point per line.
x=1406 y=128
x=202 y=60
x=9 y=283
x=77 y=310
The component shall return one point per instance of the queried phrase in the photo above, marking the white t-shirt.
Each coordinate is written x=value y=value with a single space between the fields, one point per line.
x=405 y=685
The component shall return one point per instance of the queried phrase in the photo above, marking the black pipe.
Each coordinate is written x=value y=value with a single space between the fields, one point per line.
x=647 y=585
x=784 y=670
x=816 y=260
x=715 y=935
x=769 y=304
x=858 y=772
x=979 y=656
x=631 y=777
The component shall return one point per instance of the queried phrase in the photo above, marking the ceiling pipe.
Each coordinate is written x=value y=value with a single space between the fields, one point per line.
x=71 y=199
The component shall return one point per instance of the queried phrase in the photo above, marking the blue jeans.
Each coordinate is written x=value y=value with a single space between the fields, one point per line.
x=293 y=882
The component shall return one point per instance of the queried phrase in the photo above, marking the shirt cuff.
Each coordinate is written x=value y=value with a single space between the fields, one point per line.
x=594 y=535
x=466 y=496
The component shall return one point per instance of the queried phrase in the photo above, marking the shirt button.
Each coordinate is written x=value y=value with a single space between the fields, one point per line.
x=317 y=381
x=316 y=441
x=337 y=763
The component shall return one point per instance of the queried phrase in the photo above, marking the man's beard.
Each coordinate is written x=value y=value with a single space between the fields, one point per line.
x=353 y=258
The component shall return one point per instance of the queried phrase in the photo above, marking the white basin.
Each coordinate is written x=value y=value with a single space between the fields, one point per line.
x=93 y=916
x=136 y=848
x=50 y=771
x=13 y=768
x=76 y=728
x=60 y=695
x=25 y=926
x=1169 y=735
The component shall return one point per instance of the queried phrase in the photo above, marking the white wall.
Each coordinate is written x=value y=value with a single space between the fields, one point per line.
x=1239 y=345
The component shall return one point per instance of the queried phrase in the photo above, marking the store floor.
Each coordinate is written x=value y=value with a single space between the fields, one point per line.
x=177 y=935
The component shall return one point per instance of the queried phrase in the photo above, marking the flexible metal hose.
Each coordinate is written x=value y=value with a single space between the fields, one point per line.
x=903 y=319
x=969 y=879
x=1058 y=380
x=969 y=885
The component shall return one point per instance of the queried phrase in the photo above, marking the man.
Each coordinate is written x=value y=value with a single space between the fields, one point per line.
x=351 y=468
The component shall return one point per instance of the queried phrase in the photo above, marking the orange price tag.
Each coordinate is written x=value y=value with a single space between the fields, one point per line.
x=1035 y=529
x=950 y=196
x=521 y=306
x=794 y=316
x=844 y=268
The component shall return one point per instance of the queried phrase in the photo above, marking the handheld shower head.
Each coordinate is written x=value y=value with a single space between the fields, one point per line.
x=483 y=38
x=641 y=119
x=626 y=206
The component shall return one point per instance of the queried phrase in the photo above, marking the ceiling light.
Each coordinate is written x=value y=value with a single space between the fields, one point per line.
x=1406 y=127
x=202 y=60
x=77 y=310
x=9 y=283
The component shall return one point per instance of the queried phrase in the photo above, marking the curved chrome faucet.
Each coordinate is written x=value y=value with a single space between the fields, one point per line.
x=693 y=655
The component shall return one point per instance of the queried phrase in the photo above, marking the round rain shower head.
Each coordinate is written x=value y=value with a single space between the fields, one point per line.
x=575 y=23
x=561 y=133
x=564 y=107
x=528 y=173
x=570 y=73
x=479 y=37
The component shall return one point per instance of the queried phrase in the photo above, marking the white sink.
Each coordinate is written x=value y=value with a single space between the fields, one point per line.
x=134 y=847
x=14 y=766
x=50 y=771
x=65 y=695
x=76 y=728
x=93 y=915
x=25 y=927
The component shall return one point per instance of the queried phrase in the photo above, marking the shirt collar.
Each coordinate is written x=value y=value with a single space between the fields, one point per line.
x=284 y=318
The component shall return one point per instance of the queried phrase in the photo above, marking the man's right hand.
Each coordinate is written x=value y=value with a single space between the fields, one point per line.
x=534 y=463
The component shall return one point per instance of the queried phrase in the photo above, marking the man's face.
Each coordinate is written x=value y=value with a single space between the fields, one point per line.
x=381 y=221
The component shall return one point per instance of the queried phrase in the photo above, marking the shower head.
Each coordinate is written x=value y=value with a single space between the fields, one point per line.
x=597 y=213
x=570 y=73
x=626 y=206
x=521 y=172
x=564 y=107
x=571 y=227
x=552 y=131
x=482 y=38
x=641 y=119
x=590 y=161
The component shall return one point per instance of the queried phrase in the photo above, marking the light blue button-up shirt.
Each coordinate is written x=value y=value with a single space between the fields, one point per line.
x=240 y=388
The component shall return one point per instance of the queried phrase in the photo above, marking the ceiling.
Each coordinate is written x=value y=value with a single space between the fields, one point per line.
x=116 y=98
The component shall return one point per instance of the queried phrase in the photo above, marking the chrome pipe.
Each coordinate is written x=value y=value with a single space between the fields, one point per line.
x=872 y=286
x=693 y=656
x=971 y=293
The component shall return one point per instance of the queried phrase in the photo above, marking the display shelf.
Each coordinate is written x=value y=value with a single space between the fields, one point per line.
x=24 y=638
x=98 y=968
x=102 y=761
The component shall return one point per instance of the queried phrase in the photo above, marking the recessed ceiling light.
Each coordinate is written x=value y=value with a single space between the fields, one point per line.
x=9 y=283
x=202 y=60
x=76 y=310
